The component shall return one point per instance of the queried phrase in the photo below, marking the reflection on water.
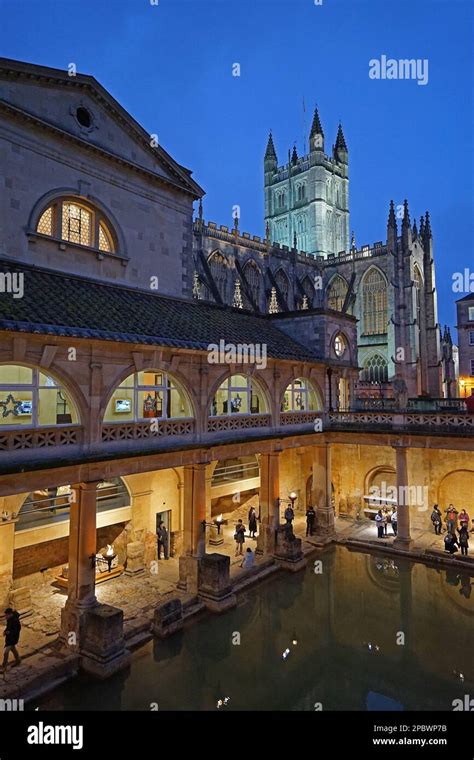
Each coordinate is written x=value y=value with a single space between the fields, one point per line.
x=366 y=633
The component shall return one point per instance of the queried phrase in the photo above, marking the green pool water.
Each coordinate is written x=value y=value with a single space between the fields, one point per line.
x=360 y=631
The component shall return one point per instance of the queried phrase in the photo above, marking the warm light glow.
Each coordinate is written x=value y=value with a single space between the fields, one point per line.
x=219 y=518
x=110 y=550
x=292 y=495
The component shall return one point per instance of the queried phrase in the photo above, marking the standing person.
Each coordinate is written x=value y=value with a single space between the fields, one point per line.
x=450 y=543
x=239 y=537
x=451 y=519
x=12 y=637
x=163 y=540
x=379 y=523
x=248 y=560
x=394 y=521
x=289 y=515
x=464 y=519
x=252 y=522
x=310 y=517
x=436 y=519
x=387 y=519
x=464 y=540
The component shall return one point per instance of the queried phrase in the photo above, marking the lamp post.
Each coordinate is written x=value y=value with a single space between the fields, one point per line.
x=292 y=497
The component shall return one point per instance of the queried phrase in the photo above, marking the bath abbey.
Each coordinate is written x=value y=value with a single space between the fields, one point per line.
x=177 y=393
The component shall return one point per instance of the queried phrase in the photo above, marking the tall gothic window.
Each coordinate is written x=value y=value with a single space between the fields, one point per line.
x=337 y=293
x=418 y=286
x=301 y=192
x=77 y=222
x=374 y=303
x=252 y=276
x=218 y=268
x=375 y=369
x=282 y=281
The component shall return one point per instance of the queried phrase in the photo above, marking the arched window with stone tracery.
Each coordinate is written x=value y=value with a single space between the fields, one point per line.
x=337 y=292
x=374 y=303
x=219 y=271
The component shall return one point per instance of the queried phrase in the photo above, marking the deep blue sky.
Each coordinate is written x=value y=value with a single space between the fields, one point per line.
x=170 y=65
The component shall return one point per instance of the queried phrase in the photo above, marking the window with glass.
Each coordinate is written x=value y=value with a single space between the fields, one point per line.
x=300 y=396
x=253 y=279
x=337 y=292
x=470 y=313
x=218 y=268
x=77 y=222
x=471 y=337
x=147 y=395
x=374 y=300
x=339 y=345
x=30 y=398
x=238 y=395
x=375 y=369
x=283 y=285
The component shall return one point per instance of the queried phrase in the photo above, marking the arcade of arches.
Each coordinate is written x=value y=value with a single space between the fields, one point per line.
x=123 y=510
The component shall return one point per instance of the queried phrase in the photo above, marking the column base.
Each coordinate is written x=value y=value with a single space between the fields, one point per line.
x=402 y=543
x=265 y=540
x=288 y=553
x=325 y=527
x=168 y=619
x=215 y=588
x=103 y=652
x=189 y=574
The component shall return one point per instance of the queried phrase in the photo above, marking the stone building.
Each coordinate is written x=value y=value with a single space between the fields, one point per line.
x=113 y=415
x=306 y=261
x=465 y=327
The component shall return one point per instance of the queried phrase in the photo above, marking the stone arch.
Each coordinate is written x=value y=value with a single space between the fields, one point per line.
x=63 y=379
x=125 y=373
x=457 y=487
x=226 y=375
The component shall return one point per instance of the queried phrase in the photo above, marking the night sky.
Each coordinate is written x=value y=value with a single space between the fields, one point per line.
x=170 y=65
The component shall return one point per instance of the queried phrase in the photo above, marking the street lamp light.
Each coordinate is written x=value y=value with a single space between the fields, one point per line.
x=292 y=497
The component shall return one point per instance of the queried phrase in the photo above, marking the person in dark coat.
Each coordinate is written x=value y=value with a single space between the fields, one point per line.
x=163 y=541
x=289 y=515
x=450 y=543
x=437 y=519
x=12 y=637
x=239 y=538
x=310 y=517
x=252 y=522
x=464 y=540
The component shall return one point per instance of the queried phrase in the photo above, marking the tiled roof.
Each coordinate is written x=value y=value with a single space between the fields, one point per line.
x=67 y=305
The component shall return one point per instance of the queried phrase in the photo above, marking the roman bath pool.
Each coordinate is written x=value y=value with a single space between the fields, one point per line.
x=355 y=632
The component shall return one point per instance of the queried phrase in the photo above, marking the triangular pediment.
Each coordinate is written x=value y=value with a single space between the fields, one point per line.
x=54 y=97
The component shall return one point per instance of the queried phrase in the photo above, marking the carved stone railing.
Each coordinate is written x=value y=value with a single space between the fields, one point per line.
x=298 y=418
x=238 y=422
x=440 y=422
x=155 y=428
x=42 y=437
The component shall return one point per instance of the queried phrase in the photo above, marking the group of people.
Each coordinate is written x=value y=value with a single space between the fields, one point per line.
x=384 y=518
x=239 y=537
x=457 y=528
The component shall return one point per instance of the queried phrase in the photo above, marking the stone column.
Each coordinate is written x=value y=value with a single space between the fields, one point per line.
x=93 y=631
x=269 y=502
x=403 y=538
x=7 y=546
x=82 y=551
x=194 y=530
x=322 y=492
